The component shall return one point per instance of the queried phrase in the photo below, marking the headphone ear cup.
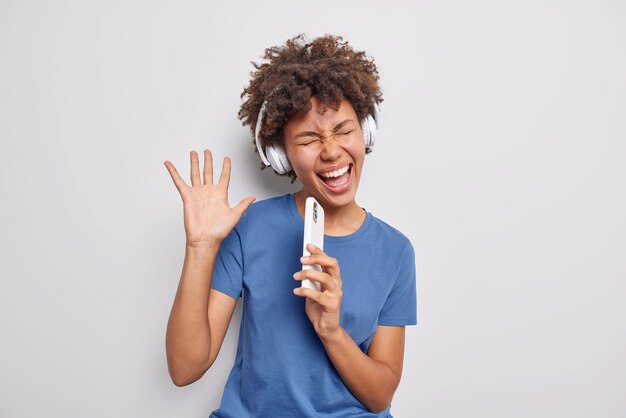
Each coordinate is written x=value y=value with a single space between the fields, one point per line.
x=373 y=131
x=278 y=158
x=366 y=132
x=369 y=128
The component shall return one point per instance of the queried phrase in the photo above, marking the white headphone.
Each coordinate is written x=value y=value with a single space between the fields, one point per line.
x=276 y=156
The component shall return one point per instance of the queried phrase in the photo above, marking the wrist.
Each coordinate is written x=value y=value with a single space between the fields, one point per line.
x=332 y=337
x=203 y=246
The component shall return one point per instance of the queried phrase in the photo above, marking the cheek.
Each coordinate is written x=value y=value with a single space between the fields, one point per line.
x=357 y=151
x=300 y=161
x=356 y=146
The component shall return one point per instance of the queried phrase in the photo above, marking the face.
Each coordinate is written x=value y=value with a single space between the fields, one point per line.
x=326 y=152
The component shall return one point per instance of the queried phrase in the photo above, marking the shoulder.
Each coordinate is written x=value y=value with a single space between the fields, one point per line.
x=384 y=241
x=398 y=247
x=266 y=213
x=271 y=206
x=390 y=234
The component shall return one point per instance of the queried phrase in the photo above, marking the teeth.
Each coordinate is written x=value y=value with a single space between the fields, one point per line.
x=336 y=173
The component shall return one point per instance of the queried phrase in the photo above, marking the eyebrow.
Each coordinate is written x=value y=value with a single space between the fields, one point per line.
x=313 y=133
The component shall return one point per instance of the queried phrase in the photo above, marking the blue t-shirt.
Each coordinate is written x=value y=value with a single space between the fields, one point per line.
x=281 y=367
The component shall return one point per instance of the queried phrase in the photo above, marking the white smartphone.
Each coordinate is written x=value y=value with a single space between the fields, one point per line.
x=313 y=234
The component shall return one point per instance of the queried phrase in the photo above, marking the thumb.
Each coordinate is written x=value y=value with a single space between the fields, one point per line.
x=244 y=204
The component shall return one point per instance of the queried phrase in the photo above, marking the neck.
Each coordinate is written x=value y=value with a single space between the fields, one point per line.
x=338 y=220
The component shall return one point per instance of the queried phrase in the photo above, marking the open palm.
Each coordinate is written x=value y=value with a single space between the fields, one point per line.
x=207 y=216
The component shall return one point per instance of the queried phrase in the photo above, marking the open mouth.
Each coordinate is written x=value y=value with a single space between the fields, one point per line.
x=337 y=180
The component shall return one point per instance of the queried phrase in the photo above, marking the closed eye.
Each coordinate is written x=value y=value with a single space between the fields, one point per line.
x=316 y=140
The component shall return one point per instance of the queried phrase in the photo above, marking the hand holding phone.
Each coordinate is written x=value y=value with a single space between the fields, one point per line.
x=313 y=234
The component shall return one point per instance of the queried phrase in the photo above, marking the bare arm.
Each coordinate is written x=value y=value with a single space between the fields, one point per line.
x=373 y=377
x=198 y=321
x=200 y=315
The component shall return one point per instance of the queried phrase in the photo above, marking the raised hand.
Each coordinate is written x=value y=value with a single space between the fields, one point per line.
x=207 y=216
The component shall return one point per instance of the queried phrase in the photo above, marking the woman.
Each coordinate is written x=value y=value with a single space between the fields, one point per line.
x=301 y=353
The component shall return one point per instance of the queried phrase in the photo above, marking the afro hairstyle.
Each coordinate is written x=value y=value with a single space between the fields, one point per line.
x=326 y=67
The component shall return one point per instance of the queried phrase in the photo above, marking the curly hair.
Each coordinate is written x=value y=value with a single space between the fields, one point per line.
x=325 y=67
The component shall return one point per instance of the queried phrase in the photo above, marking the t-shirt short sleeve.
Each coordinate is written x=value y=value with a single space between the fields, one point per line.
x=400 y=308
x=228 y=269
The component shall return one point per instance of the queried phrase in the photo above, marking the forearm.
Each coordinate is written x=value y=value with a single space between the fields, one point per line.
x=372 y=382
x=188 y=336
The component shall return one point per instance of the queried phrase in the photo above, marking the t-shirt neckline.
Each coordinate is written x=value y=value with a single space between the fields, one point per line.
x=290 y=200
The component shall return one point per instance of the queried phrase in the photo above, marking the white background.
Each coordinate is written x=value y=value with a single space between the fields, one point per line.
x=502 y=157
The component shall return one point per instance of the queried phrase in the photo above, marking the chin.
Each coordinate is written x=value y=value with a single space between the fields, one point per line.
x=336 y=200
x=339 y=201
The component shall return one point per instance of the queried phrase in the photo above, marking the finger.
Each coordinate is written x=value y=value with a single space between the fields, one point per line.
x=195 y=170
x=310 y=293
x=319 y=257
x=244 y=204
x=314 y=250
x=178 y=180
x=327 y=282
x=208 y=167
x=225 y=176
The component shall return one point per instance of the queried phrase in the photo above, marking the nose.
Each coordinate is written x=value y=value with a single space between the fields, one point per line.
x=331 y=149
